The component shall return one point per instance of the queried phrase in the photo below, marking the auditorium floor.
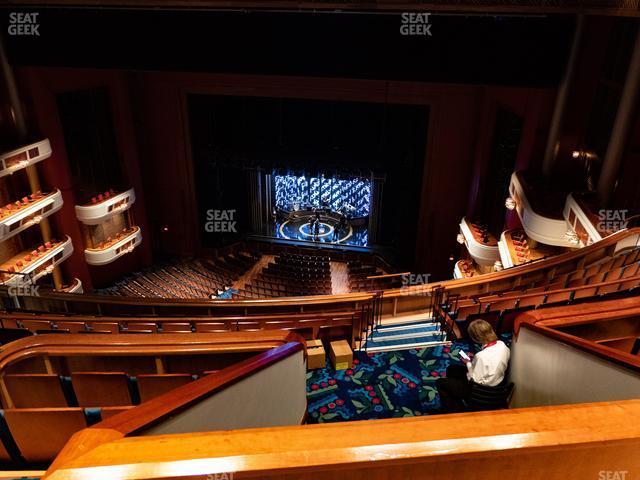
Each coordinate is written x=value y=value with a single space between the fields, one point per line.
x=382 y=385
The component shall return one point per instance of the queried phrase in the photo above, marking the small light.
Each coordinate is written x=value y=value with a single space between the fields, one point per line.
x=460 y=238
x=510 y=203
x=576 y=153
x=165 y=228
x=572 y=236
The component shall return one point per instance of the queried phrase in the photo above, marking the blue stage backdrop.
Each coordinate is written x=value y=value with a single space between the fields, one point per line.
x=299 y=191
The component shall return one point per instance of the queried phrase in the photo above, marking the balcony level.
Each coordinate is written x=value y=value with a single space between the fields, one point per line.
x=481 y=244
x=30 y=265
x=540 y=210
x=109 y=251
x=18 y=216
x=11 y=162
x=105 y=206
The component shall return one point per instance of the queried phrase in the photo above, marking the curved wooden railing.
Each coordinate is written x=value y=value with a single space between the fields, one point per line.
x=546 y=442
x=579 y=440
x=46 y=346
x=394 y=301
x=548 y=322
x=172 y=403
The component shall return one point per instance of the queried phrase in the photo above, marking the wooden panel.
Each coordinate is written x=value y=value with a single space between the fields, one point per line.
x=108 y=412
x=176 y=327
x=151 y=386
x=35 y=390
x=73 y=327
x=40 y=433
x=100 y=389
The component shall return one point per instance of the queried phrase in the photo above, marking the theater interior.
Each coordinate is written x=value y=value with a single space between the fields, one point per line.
x=255 y=239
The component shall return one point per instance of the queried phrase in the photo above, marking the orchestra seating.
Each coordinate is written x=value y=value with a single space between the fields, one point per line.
x=359 y=281
x=291 y=275
x=186 y=279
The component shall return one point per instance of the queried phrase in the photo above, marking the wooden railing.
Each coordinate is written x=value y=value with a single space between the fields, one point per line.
x=571 y=441
x=550 y=322
x=558 y=442
x=170 y=404
x=409 y=299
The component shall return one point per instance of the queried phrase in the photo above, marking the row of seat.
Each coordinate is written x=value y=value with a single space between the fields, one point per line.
x=291 y=275
x=185 y=279
x=358 y=281
x=34 y=436
x=619 y=275
x=89 y=389
x=18 y=325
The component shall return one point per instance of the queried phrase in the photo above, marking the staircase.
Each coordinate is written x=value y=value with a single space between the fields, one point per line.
x=404 y=335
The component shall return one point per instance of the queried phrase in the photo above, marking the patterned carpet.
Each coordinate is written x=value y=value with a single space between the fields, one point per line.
x=382 y=385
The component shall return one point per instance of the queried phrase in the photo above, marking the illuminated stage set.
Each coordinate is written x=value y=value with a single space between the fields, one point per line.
x=322 y=209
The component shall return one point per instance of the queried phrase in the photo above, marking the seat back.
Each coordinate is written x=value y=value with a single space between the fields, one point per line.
x=101 y=389
x=490 y=398
x=204 y=327
x=40 y=433
x=176 y=327
x=153 y=385
x=35 y=390
x=73 y=327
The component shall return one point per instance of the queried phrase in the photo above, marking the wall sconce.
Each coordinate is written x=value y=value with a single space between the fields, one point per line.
x=510 y=203
x=572 y=236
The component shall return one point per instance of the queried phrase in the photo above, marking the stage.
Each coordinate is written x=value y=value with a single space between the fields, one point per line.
x=320 y=225
x=321 y=209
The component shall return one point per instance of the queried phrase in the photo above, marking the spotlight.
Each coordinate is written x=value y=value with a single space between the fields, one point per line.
x=510 y=203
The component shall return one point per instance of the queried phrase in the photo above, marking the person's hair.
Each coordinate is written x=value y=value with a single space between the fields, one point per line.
x=482 y=332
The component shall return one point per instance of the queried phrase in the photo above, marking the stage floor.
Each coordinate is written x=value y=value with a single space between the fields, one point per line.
x=330 y=232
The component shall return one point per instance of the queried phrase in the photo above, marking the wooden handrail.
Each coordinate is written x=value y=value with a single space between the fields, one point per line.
x=130 y=345
x=173 y=402
x=591 y=312
x=516 y=296
x=61 y=317
x=532 y=442
x=389 y=295
x=387 y=275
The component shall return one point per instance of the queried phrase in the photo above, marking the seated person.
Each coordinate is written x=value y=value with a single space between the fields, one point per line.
x=487 y=368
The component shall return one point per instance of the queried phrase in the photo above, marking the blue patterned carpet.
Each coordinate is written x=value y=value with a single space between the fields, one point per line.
x=382 y=385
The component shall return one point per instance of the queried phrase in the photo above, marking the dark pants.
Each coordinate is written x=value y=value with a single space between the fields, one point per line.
x=454 y=389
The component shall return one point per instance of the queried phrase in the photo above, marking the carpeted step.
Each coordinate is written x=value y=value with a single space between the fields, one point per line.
x=415 y=331
x=405 y=343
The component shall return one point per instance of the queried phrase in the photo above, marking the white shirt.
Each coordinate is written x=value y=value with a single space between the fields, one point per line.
x=489 y=365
